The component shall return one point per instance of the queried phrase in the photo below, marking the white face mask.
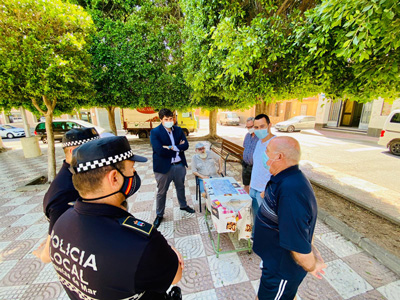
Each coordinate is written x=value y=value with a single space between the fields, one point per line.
x=203 y=155
x=168 y=124
x=251 y=130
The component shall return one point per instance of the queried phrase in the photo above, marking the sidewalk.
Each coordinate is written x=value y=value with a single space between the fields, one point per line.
x=382 y=201
x=351 y=272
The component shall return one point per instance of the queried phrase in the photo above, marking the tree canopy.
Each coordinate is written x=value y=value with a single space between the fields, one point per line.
x=353 y=48
x=44 y=62
x=136 y=54
x=43 y=54
x=245 y=51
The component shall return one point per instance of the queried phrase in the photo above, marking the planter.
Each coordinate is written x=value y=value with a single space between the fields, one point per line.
x=31 y=148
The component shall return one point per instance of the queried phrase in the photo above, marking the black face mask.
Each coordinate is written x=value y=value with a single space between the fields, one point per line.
x=129 y=187
x=131 y=184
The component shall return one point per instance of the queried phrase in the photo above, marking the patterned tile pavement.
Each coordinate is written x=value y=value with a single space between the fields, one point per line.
x=351 y=273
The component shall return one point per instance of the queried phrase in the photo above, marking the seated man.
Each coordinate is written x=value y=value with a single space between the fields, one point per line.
x=203 y=165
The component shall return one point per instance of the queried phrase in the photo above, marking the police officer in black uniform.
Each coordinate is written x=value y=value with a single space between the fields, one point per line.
x=61 y=191
x=101 y=251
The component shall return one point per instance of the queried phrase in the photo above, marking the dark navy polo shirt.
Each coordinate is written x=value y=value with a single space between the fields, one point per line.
x=59 y=194
x=97 y=258
x=285 y=222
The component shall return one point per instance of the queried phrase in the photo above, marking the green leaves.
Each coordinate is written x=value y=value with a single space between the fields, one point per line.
x=43 y=52
x=365 y=45
x=136 y=60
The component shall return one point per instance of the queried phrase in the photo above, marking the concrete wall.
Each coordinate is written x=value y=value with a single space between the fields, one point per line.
x=377 y=120
x=310 y=103
x=100 y=116
x=31 y=119
x=243 y=114
x=322 y=113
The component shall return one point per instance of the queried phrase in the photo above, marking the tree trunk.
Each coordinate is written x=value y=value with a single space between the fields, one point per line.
x=213 y=123
x=111 y=118
x=51 y=153
x=26 y=125
x=79 y=114
x=261 y=108
x=1 y=143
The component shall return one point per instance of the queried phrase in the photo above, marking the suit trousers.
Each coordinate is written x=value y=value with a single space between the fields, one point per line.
x=176 y=174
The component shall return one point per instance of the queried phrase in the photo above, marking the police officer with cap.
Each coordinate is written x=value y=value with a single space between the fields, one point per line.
x=100 y=250
x=61 y=191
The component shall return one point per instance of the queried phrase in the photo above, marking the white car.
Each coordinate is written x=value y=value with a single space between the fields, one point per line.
x=296 y=123
x=390 y=134
x=229 y=118
x=10 y=132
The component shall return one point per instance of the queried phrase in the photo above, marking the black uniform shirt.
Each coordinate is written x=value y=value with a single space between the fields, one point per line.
x=60 y=193
x=98 y=258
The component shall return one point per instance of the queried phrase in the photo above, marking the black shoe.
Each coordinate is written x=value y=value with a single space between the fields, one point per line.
x=157 y=221
x=175 y=293
x=188 y=209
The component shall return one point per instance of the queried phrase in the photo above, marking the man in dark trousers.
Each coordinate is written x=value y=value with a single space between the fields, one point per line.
x=61 y=191
x=98 y=249
x=169 y=162
x=285 y=223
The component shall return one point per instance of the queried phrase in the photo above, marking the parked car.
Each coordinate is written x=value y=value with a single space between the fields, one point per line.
x=10 y=132
x=15 y=119
x=390 y=134
x=229 y=118
x=62 y=126
x=296 y=123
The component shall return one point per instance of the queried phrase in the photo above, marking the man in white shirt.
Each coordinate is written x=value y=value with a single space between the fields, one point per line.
x=259 y=175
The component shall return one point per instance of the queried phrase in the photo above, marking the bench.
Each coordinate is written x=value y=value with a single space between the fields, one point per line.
x=230 y=152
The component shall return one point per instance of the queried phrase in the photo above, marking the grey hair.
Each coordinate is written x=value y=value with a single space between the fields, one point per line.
x=250 y=119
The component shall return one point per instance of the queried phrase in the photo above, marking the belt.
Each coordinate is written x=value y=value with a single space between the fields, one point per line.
x=246 y=164
x=176 y=163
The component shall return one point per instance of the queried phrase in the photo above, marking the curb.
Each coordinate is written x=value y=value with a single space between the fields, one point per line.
x=386 y=258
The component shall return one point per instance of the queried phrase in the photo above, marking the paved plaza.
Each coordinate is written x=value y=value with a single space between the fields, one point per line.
x=351 y=272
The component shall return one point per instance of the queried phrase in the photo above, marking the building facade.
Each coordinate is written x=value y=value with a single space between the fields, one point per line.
x=367 y=118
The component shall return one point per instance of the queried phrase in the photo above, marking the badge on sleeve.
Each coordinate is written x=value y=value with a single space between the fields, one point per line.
x=137 y=225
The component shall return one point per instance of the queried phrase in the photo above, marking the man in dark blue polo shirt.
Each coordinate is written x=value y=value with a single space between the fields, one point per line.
x=98 y=249
x=284 y=226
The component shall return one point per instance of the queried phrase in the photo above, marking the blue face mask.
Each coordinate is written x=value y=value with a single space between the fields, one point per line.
x=261 y=133
x=168 y=124
x=265 y=160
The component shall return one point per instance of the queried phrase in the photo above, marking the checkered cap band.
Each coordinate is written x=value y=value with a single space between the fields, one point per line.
x=79 y=142
x=98 y=163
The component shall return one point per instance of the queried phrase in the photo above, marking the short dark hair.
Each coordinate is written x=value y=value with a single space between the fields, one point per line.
x=165 y=112
x=260 y=116
x=88 y=181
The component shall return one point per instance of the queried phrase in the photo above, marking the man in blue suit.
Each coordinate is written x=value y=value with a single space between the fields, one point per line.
x=169 y=162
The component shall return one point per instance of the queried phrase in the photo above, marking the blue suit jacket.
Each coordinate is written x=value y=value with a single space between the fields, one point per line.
x=162 y=157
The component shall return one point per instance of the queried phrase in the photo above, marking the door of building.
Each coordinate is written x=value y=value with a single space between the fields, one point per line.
x=365 y=116
x=334 y=113
x=288 y=110
x=351 y=113
x=303 y=110
x=347 y=116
